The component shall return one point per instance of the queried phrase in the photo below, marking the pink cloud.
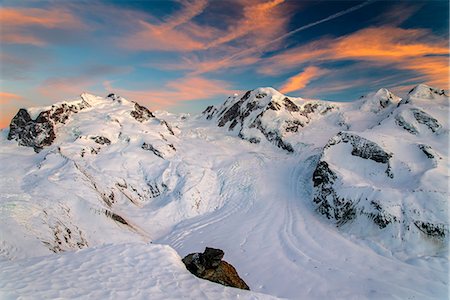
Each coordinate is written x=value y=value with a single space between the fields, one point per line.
x=10 y=103
x=174 y=92
x=208 y=48
x=302 y=79
x=18 y=23
x=166 y=35
x=58 y=89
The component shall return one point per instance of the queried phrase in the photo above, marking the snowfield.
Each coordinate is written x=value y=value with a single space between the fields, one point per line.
x=308 y=199
x=121 y=271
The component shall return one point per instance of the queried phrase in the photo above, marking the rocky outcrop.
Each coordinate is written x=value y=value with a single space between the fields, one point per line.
x=149 y=147
x=210 y=266
x=342 y=208
x=141 y=113
x=363 y=148
x=266 y=113
x=40 y=132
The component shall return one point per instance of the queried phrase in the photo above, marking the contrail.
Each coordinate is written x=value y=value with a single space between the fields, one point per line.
x=333 y=16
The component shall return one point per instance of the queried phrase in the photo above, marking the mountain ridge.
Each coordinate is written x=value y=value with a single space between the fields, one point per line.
x=261 y=171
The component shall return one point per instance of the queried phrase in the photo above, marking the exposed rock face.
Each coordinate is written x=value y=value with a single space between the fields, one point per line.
x=266 y=113
x=210 y=266
x=149 y=147
x=40 y=132
x=141 y=113
x=363 y=148
x=340 y=208
x=356 y=187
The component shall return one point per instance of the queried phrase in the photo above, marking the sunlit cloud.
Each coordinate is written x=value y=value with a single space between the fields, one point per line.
x=6 y=98
x=59 y=88
x=166 y=35
x=18 y=24
x=9 y=103
x=174 y=92
x=405 y=49
x=261 y=21
x=302 y=79
x=206 y=48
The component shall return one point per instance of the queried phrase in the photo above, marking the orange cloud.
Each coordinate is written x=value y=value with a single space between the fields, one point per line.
x=215 y=48
x=406 y=49
x=167 y=36
x=184 y=89
x=6 y=98
x=435 y=70
x=10 y=104
x=302 y=79
x=17 y=23
x=260 y=23
x=53 y=18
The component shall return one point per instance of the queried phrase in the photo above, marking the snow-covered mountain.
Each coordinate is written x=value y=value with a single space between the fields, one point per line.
x=382 y=171
x=296 y=191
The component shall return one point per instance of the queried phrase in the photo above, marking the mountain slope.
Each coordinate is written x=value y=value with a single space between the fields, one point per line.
x=128 y=271
x=190 y=182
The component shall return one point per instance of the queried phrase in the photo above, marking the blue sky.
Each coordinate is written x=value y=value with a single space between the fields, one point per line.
x=185 y=55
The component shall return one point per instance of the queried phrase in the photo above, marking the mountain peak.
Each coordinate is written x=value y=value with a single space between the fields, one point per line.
x=426 y=92
x=379 y=100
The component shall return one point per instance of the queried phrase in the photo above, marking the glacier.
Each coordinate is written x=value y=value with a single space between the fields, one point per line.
x=310 y=199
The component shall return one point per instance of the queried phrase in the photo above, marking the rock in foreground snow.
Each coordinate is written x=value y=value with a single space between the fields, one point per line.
x=210 y=266
x=126 y=271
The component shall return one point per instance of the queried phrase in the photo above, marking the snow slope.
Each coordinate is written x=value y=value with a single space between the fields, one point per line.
x=122 y=271
x=188 y=183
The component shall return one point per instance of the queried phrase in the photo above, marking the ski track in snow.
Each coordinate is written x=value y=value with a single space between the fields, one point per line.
x=254 y=201
x=278 y=222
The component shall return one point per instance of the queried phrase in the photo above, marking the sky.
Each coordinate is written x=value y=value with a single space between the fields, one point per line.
x=182 y=56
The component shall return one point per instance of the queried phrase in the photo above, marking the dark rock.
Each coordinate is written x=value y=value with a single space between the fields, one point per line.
x=273 y=106
x=380 y=216
x=341 y=208
x=169 y=128
x=400 y=121
x=439 y=231
x=424 y=118
x=231 y=114
x=149 y=147
x=40 y=132
x=141 y=113
x=361 y=147
x=210 y=266
x=209 y=112
x=427 y=150
x=292 y=126
x=101 y=140
x=32 y=133
x=289 y=105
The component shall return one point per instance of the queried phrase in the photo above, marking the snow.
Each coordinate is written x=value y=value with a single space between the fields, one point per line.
x=123 y=271
x=211 y=188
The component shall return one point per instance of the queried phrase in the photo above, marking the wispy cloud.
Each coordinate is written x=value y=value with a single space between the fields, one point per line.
x=9 y=102
x=176 y=91
x=60 y=87
x=6 y=97
x=416 y=50
x=19 y=24
x=168 y=35
x=302 y=79
x=206 y=48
